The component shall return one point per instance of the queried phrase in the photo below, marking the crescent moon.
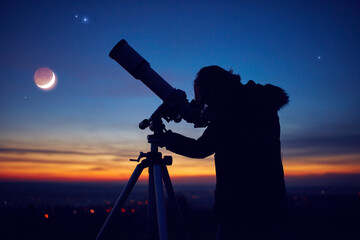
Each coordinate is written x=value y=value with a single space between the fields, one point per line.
x=49 y=84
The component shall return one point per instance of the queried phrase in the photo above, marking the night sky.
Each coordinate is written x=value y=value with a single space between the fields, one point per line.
x=86 y=128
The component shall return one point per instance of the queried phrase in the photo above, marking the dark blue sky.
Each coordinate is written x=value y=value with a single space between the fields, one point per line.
x=309 y=48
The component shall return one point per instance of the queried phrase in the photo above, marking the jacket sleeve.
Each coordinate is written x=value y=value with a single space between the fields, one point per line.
x=203 y=147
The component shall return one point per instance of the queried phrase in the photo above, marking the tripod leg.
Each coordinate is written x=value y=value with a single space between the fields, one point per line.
x=121 y=200
x=151 y=231
x=160 y=203
x=172 y=199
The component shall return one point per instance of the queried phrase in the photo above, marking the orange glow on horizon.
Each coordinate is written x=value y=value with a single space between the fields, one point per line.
x=101 y=167
x=322 y=165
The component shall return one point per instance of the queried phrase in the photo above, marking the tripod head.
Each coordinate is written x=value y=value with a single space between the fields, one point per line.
x=155 y=123
x=174 y=109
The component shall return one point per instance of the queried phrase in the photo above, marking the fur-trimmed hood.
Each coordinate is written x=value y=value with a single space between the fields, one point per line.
x=270 y=95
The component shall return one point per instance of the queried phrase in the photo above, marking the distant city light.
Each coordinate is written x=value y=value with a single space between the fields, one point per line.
x=92 y=211
x=132 y=210
x=123 y=210
x=46 y=215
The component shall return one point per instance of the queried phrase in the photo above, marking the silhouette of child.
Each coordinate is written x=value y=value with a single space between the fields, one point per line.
x=244 y=134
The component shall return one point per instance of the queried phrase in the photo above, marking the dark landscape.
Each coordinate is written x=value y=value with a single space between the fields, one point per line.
x=78 y=210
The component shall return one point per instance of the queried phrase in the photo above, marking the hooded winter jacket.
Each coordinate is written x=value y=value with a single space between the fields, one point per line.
x=245 y=137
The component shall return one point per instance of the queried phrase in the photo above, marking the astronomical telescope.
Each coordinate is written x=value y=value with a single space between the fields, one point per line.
x=175 y=106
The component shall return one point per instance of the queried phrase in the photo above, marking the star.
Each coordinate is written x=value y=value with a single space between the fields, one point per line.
x=81 y=18
x=319 y=57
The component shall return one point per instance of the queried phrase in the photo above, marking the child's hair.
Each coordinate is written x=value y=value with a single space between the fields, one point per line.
x=214 y=81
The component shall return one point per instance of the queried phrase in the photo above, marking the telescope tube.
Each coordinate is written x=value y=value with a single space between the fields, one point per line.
x=140 y=69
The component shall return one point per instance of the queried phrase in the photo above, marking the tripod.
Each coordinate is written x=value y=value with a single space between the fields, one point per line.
x=158 y=174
